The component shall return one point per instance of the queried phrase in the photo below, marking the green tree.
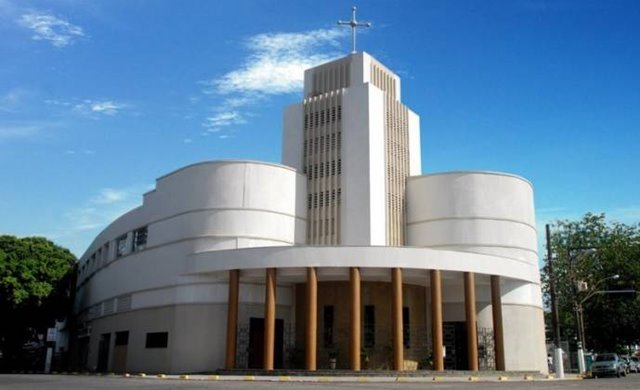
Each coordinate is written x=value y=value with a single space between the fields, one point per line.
x=35 y=276
x=587 y=254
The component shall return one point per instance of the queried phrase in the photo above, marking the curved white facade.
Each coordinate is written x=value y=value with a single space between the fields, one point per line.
x=209 y=206
x=481 y=212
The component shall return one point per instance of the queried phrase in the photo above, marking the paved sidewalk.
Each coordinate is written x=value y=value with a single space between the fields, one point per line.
x=359 y=378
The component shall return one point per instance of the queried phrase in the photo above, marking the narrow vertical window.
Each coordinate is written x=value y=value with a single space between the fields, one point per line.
x=406 y=328
x=139 y=239
x=121 y=245
x=327 y=331
x=105 y=252
x=369 y=326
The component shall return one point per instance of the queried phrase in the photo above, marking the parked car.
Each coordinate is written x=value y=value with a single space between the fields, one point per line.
x=634 y=364
x=608 y=364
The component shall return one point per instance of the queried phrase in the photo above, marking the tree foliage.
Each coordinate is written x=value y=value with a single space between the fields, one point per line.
x=35 y=277
x=586 y=256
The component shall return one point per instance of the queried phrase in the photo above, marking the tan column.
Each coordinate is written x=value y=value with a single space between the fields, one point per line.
x=470 y=316
x=354 y=334
x=312 y=319
x=396 y=309
x=269 y=318
x=436 y=320
x=232 y=318
x=496 y=310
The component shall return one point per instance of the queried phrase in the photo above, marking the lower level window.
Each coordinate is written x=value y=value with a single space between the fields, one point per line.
x=122 y=338
x=157 y=340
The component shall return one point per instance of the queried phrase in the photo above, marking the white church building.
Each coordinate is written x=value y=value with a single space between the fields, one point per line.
x=343 y=256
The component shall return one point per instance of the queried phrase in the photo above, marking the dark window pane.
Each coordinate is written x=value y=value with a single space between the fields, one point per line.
x=157 y=340
x=406 y=328
x=121 y=245
x=369 y=326
x=140 y=238
x=122 y=338
x=328 y=326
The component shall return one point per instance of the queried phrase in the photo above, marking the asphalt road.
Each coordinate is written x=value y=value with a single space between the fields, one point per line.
x=71 y=382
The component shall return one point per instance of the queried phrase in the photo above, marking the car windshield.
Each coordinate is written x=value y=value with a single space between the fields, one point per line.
x=605 y=357
x=635 y=359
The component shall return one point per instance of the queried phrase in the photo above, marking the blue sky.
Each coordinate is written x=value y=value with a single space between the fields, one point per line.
x=99 y=98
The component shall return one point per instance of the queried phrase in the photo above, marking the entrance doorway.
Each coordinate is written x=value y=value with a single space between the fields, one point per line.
x=103 y=352
x=455 y=342
x=83 y=353
x=120 y=348
x=256 y=343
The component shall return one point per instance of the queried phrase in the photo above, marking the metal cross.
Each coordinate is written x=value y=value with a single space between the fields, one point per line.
x=353 y=23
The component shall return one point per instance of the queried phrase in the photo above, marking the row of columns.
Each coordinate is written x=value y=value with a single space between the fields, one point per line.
x=354 y=319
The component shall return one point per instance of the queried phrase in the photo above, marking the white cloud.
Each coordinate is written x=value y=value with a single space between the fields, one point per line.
x=110 y=195
x=55 y=102
x=106 y=107
x=274 y=65
x=86 y=152
x=89 y=107
x=277 y=61
x=104 y=207
x=80 y=225
x=216 y=122
x=187 y=140
x=57 y=31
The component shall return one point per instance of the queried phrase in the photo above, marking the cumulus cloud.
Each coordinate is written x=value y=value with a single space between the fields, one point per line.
x=47 y=27
x=274 y=65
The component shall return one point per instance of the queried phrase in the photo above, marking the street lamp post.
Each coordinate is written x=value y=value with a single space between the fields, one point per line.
x=593 y=292
x=582 y=346
x=576 y=305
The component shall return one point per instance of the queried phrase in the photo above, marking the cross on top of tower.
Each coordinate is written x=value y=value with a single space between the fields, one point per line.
x=353 y=23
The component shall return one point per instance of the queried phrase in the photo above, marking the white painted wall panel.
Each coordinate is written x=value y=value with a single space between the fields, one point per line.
x=415 y=156
x=293 y=136
x=363 y=186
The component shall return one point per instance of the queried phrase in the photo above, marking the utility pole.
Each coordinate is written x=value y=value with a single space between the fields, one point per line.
x=557 y=358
